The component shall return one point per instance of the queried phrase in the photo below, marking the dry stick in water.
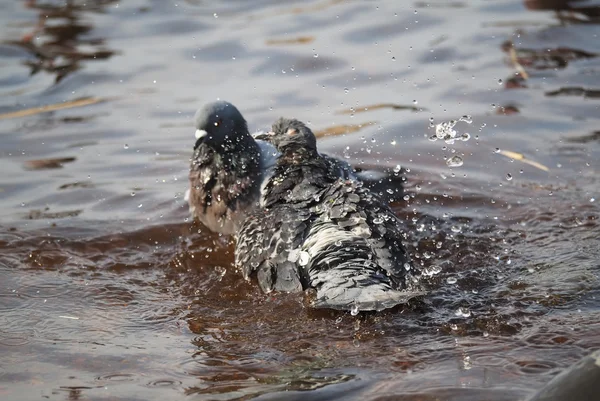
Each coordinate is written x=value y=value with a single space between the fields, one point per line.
x=518 y=66
x=51 y=107
x=520 y=157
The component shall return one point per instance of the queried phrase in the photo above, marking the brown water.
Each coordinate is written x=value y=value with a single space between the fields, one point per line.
x=108 y=291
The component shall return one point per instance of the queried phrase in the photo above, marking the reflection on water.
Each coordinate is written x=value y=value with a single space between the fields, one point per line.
x=110 y=292
x=60 y=41
x=568 y=11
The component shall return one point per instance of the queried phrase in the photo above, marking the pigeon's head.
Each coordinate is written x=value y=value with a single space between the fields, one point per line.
x=290 y=134
x=220 y=125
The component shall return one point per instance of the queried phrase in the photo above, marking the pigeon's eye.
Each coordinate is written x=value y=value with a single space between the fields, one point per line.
x=218 y=122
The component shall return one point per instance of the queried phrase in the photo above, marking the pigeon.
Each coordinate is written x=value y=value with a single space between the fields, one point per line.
x=229 y=167
x=317 y=230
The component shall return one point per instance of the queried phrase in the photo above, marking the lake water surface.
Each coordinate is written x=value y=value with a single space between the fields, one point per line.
x=109 y=292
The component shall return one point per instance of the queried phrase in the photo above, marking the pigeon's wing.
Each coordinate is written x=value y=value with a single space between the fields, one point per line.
x=386 y=237
x=339 y=168
x=359 y=211
x=387 y=183
x=355 y=263
x=268 y=244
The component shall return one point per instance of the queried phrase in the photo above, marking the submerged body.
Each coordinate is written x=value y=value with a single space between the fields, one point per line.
x=317 y=230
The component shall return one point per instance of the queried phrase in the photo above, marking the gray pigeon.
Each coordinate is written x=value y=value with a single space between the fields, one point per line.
x=228 y=168
x=318 y=230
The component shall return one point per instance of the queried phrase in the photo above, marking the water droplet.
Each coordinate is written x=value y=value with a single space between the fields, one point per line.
x=398 y=168
x=455 y=161
x=354 y=310
x=125 y=146
x=140 y=205
x=346 y=90
x=467 y=362
x=463 y=312
x=509 y=177
x=451 y=280
x=132 y=193
x=304 y=258
x=499 y=82
x=215 y=15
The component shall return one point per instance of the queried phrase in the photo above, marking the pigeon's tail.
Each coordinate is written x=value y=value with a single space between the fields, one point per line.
x=374 y=298
x=358 y=287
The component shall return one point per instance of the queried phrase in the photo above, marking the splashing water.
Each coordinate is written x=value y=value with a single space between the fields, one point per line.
x=445 y=131
x=455 y=161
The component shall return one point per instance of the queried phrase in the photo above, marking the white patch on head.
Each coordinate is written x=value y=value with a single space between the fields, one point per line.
x=200 y=133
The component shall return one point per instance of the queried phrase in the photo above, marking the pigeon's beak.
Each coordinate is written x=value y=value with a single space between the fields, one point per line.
x=264 y=136
x=200 y=133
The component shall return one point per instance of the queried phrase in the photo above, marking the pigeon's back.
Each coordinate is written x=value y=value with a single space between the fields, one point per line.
x=324 y=232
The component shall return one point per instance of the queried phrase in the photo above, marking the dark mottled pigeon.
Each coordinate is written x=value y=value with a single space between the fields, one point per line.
x=317 y=230
x=228 y=168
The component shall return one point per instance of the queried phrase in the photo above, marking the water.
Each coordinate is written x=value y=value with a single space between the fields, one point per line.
x=108 y=291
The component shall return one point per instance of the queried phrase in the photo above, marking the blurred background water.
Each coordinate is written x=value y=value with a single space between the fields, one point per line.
x=109 y=291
